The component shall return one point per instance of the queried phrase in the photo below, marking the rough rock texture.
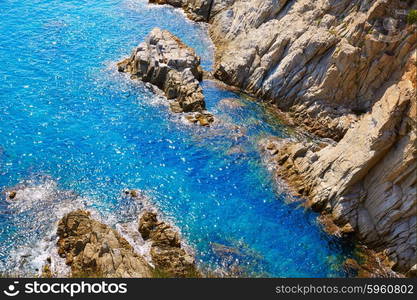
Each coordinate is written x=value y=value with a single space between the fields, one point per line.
x=325 y=61
x=169 y=257
x=166 y=62
x=370 y=264
x=93 y=249
x=368 y=180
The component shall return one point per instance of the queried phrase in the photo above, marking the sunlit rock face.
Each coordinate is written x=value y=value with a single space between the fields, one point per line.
x=93 y=249
x=325 y=61
x=367 y=181
x=166 y=62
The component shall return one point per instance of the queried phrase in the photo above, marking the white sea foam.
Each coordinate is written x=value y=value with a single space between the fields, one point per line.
x=130 y=232
x=35 y=210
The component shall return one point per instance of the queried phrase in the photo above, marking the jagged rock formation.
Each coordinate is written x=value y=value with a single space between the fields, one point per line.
x=93 y=249
x=169 y=257
x=166 y=62
x=324 y=61
x=368 y=180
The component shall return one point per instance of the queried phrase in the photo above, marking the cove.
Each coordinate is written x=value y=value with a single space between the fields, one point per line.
x=67 y=117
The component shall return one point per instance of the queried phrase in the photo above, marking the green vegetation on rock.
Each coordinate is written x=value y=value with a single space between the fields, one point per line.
x=412 y=17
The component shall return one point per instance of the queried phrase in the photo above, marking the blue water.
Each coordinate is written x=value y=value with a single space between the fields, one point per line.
x=67 y=114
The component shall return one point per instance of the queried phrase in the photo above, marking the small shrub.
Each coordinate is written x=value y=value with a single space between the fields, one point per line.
x=412 y=17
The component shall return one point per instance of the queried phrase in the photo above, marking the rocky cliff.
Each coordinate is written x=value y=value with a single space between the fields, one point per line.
x=367 y=181
x=345 y=70
x=93 y=249
x=324 y=61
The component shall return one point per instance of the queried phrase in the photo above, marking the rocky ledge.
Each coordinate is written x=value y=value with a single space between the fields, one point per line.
x=167 y=63
x=93 y=249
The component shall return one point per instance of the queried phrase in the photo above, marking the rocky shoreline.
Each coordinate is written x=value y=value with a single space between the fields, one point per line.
x=77 y=243
x=323 y=63
x=341 y=73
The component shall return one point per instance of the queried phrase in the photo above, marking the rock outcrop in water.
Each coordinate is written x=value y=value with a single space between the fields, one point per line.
x=169 y=257
x=343 y=70
x=166 y=62
x=93 y=249
x=197 y=10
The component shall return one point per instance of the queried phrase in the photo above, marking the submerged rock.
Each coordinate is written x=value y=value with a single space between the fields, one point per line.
x=203 y=119
x=168 y=255
x=222 y=250
x=93 y=249
x=166 y=62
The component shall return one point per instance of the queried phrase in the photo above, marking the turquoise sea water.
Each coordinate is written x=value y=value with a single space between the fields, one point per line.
x=68 y=116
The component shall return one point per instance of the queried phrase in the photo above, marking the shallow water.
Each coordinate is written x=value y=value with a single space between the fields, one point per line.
x=68 y=118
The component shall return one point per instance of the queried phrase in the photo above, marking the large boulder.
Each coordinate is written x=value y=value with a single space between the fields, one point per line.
x=340 y=69
x=93 y=249
x=168 y=255
x=166 y=62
